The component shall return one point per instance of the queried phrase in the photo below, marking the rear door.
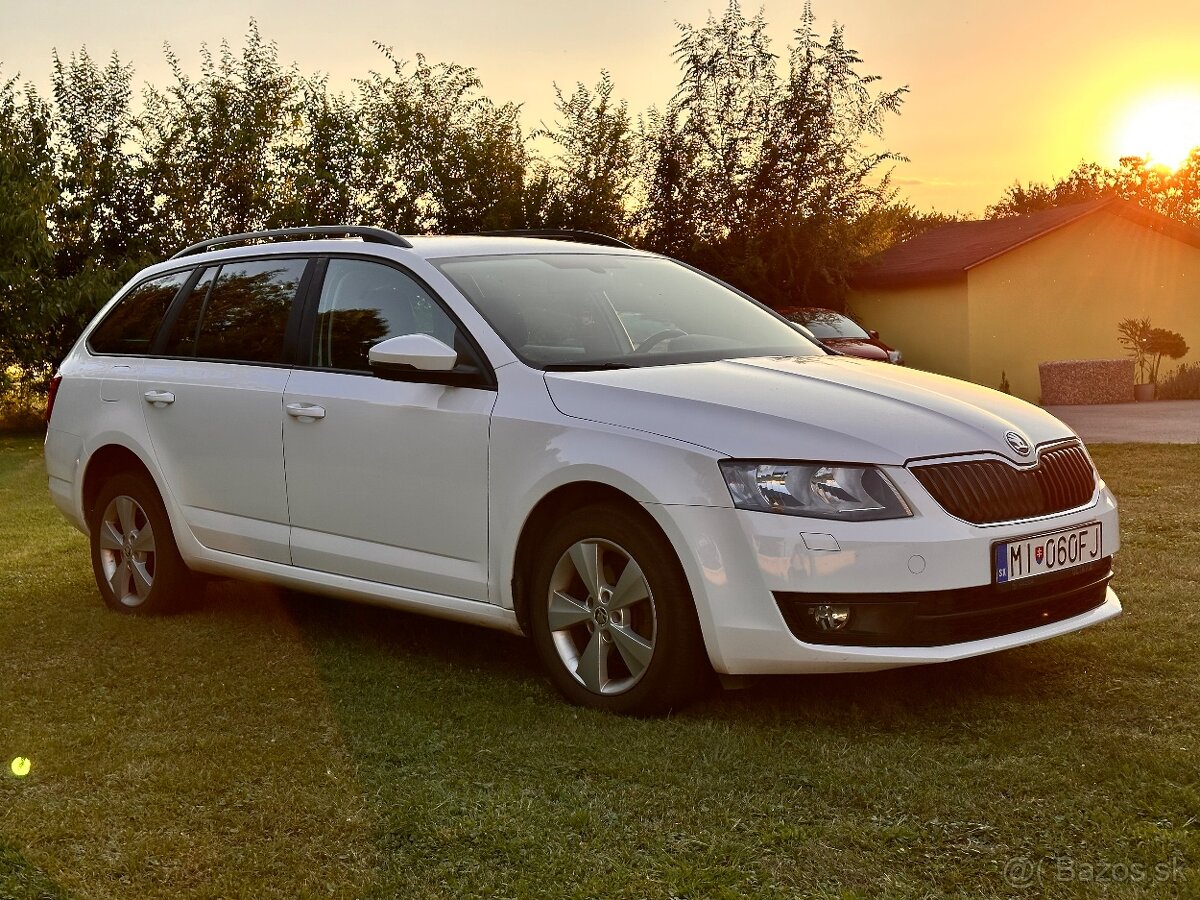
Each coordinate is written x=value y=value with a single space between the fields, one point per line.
x=213 y=403
x=387 y=481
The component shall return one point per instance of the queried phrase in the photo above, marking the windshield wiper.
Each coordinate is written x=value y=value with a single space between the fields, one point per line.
x=585 y=367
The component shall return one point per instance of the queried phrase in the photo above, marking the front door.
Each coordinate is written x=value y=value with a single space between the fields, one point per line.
x=387 y=481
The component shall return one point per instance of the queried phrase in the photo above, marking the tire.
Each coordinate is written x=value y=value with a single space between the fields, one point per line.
x=135 y=560
x=612 y=617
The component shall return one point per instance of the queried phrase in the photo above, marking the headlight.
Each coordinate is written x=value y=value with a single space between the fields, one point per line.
x=820 y=490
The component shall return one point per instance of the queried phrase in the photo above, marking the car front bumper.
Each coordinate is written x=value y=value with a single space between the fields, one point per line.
x=746 y=567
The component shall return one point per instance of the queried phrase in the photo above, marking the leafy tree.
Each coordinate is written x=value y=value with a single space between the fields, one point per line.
x=104 y=210
x=28 y=189
x=762 y=179
x=1162 y=342
x=667 y=220
x=1148 y=345
x=214 y=146
x=587 y=183
x=441 y=156
x=1175 y=194
x=321 y=179
x=894 y=223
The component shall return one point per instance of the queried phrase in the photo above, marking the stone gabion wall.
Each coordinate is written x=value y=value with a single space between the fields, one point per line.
x=1078 y=382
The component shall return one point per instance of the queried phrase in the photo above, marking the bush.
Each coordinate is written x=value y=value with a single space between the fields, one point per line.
x=1148 y=345
x=22 y=403
x=1182 y=384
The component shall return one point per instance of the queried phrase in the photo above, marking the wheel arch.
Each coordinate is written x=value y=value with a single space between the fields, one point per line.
x=105 y=462
x=551 y=507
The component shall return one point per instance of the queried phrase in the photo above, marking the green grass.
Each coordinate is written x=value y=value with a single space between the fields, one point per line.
x=272 y=747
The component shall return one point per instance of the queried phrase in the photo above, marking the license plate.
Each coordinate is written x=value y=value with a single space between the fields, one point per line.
x=1049 y=552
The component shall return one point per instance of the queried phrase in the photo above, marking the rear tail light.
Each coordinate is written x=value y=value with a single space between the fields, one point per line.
x=54 y=383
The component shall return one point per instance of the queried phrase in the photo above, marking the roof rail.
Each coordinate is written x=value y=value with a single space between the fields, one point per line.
x=370 y=235
x=561 y=234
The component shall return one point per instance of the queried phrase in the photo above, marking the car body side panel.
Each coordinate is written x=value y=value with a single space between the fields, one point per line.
x=220 y=447
x=535 y=449
x=391 y=485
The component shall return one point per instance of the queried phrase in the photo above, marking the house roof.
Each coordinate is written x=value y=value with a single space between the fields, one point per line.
x=947 y=253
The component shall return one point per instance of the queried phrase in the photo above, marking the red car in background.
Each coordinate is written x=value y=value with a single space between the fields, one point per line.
x=839 y=332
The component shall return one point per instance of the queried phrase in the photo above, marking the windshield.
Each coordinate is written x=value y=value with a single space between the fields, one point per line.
x=588 y=310
x=825 y=323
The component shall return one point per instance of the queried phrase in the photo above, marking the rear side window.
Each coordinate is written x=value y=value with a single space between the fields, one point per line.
x=131 y=325
x=245 y=314
x=182 y=339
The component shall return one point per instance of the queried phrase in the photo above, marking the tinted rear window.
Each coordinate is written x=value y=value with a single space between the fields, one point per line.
x=247 y=311
x=182 y=339
x=131 y=325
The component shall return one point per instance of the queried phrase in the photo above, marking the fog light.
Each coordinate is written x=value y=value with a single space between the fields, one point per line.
x=831 y=618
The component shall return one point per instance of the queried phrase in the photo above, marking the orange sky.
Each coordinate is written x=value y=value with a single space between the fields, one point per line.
x=999 y=91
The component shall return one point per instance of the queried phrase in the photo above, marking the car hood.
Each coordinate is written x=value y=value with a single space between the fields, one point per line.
x=817 y=407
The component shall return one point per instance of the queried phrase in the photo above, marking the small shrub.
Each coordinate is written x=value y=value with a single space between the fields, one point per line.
x=1181 y=384
x=22 y=402
x=1148 y=345
x=1005 y=387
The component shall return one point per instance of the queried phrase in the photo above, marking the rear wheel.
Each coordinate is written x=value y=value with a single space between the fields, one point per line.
x=137 y=565
x=612 y=616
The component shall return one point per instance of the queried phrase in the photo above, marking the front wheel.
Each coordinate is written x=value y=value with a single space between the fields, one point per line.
x=137 y=565
x=612 y=616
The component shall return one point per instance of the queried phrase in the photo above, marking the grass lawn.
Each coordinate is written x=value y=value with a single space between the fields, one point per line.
x=272 y=747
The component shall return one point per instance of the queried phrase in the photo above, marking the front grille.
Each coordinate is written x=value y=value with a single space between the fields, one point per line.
x=990 y=490
x=937 y=618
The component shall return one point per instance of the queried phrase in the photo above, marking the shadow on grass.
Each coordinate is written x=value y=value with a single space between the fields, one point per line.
x=344 y=630
x=353 y=639
x=19 y=878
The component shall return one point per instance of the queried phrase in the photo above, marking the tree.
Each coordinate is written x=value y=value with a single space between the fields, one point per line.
x=766 y=180
x=28 y=189
x=214 y=147
x=441 y=156
x=104 y=212
x=1160 y=343
x=321 y=179
x=1175 y=194
x=897 y=222
x=587 y=182
x=1148 y=345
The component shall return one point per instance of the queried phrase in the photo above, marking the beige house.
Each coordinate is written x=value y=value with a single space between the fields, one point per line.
x=978 y=299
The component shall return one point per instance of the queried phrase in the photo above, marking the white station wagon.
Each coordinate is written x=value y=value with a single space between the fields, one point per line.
x=647 y=472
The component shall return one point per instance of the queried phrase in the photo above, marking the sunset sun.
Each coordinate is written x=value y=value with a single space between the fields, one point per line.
x=1162 y=130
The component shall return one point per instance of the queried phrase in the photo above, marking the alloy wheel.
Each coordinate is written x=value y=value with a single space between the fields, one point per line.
x=127 y=553
x=602 y=616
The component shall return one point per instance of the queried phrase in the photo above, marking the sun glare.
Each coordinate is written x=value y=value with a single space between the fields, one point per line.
x=1162 y=130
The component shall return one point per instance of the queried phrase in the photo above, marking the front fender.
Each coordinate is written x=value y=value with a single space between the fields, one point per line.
x=532 y=459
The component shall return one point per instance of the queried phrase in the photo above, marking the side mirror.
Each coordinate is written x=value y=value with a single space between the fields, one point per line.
x=419 y=352
x=873 y=333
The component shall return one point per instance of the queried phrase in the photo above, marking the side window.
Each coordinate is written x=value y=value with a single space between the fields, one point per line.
x=247 y=310
x=363 y=303
x=130 y=327
x=182 y=339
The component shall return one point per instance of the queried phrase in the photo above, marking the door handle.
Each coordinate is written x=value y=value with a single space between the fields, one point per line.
x=159 y=399
x=305 y=412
